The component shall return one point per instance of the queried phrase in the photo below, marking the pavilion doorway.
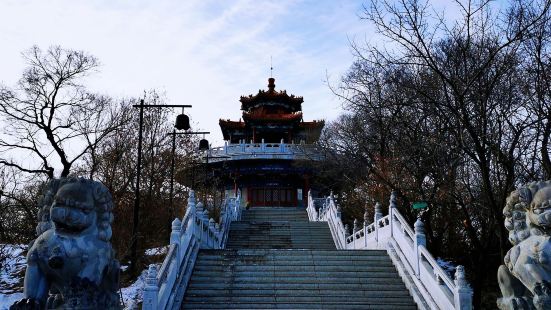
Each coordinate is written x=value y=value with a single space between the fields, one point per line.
x=272 y=197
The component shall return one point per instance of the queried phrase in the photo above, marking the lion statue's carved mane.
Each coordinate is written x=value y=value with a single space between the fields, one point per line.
x=525 y=278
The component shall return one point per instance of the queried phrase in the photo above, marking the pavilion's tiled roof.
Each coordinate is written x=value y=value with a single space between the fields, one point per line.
x=271 y=96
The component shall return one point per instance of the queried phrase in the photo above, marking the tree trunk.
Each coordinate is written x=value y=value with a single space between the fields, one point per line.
x=545 y=160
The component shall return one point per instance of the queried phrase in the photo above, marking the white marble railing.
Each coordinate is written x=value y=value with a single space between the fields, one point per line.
x=238 y=151
x=429 y=284
x=165 y=288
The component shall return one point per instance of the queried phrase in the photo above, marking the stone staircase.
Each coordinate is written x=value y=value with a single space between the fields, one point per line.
x=277 y=259
x=279 y=228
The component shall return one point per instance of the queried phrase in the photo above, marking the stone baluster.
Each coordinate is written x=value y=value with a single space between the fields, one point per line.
x=366 y=223
x=391 y=208
x=355 y=228
x=282 y=146
x=263 y=145
x=378 y=213
x=226 y=147
x=151 y=290
x=366 y=218
x=176 y=231
x=210 y=232
x=463 y=293
x=331 y=199
x=376 y=217
x=200 y=208
x=191 y=212
x=191 y=202
x=339 y=222
x=226 y=208
x=420 y=240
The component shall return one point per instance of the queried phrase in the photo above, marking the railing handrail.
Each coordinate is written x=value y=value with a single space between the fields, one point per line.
x=404 y=224
x=194 y=231
x=166 y=263
x=443 y=274
x=238 y=151
x=381 y=233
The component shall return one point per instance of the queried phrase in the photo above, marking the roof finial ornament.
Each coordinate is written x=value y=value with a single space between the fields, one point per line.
x=271 y=80
x=271 y=85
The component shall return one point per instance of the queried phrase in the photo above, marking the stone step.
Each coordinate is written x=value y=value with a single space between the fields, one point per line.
x=248 y=279
x=296 y=305
x=265 y=242
x=259 y=241
x=298 y=298
x=315 y=254
x=302 y=299
x=287 y=213
x=281 y=234
x=274 y=220
x=275 y=214
x=296 y=252
x=279 y=246
x=294 y=286
x=280 y=276
x=277 y=229
x=284 y=268
x=295 y=293
x=300 y=261
x=281 y=210
x=322 y=231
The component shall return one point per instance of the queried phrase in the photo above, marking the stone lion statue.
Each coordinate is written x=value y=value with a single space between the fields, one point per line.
x=525 y=278
x=71 y=264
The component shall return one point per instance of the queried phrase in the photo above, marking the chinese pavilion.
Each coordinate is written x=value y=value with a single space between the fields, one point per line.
x=266 y=154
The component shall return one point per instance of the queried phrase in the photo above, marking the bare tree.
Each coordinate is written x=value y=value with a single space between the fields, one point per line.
x=451 y=112
x=50 y=118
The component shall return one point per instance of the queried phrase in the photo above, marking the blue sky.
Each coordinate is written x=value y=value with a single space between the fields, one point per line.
x=204 y=53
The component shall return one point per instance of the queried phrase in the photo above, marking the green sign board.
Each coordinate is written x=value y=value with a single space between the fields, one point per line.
x=420 y=205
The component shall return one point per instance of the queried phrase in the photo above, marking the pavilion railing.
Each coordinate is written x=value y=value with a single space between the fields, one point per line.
x=237 y=151
x=429 y=284
x=164 y=288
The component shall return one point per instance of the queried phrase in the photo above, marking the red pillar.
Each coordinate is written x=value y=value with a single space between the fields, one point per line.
x=306 y=189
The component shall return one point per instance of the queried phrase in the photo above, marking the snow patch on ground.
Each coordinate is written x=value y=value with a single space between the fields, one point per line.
x=6 y=300
x=448 y=266
x=133 y=294
x=157 y=251
x=11 y=272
